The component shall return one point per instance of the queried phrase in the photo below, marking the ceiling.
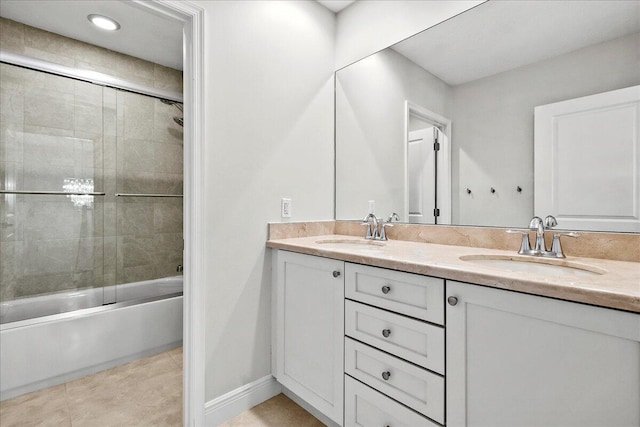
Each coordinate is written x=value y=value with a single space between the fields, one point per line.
x=157 y=38
x=143 y=34
x=335 y=5
x=497 y=36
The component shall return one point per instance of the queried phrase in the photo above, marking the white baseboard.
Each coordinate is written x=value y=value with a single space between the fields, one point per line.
x=235 y=402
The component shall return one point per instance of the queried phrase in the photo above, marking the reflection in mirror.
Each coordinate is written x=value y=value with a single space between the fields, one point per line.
x=485 y=82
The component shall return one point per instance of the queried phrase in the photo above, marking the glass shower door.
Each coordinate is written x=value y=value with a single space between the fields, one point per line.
x=51 y=201
x=149 y=180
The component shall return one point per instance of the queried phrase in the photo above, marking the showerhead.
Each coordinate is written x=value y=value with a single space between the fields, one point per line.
x=178 y=120
x=176 y=104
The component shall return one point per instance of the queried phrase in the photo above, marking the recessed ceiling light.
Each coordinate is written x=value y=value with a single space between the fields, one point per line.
x=104 y=22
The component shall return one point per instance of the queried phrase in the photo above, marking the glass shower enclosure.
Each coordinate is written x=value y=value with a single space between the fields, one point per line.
x=90 y=195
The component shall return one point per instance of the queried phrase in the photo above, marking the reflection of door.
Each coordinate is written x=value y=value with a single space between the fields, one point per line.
x=587 y=161
x=422 y=175
x=427 y=167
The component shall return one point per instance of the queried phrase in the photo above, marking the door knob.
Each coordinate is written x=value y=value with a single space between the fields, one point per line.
x=336 y=273
x=386 y=375
x=386 y=289
x=386 y=333
x=452 y=300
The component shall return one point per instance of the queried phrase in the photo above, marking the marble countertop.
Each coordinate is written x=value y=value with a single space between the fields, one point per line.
x=617 y=286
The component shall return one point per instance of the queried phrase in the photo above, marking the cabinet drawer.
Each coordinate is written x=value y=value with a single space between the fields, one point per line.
x=365 y=407
x=410 y=339
x=415 y=387
x=411 y=294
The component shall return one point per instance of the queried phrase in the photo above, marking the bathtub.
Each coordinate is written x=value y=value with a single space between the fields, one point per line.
x=53 y=345
x=64 y=302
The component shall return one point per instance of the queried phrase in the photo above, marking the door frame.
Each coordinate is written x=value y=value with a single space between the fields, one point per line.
x=192 y=17
x=444 y=159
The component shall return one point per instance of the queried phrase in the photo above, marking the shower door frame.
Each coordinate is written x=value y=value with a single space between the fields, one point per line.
x=192 y=17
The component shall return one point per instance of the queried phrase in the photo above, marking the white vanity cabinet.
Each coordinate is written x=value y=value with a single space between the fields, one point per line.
x=394 y=348
x=522 y=360
x=308 y=329
x=504 y=358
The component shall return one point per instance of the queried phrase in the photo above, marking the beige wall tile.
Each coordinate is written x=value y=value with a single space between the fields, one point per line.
x=134 y=69
x=168 y=158
x=167 y=216
x=135 y=216
x=137 y=116
x=42 y=109
x=167 y=78
x=11 y=140
x=48 y=56
x=11 y=36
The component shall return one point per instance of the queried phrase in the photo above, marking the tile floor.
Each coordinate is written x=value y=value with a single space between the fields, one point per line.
x=279 y=411
x=147 y=392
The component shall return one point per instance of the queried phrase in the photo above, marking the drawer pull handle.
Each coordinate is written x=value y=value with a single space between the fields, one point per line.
x=386 y=289
x=336 y=273
x=386 y=375
x=452 y=300
x=386 y=333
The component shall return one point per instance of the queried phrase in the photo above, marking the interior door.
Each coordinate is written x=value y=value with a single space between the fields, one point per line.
x=422 y=175
x=587 y=161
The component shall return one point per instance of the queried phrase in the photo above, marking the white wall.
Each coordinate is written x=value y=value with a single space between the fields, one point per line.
x=368 y=26
x=370 y=152
x=269 y=134
x=493 y=117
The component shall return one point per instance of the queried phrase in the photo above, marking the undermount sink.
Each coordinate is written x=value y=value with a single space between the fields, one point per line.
x=542 y=266
x=351 y=244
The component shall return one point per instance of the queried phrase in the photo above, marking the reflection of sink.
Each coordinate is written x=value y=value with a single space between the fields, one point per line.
x=351 y=244
x=542 y=266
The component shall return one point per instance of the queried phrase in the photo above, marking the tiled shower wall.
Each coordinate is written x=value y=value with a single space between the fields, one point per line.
x=53 y=128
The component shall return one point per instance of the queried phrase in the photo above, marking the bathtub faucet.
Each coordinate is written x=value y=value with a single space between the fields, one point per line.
x=179 y=269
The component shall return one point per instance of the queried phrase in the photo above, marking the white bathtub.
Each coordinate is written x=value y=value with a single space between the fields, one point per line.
x=55 y=348
x=63 y=302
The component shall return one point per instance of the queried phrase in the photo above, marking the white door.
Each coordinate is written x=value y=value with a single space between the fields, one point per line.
x=422 y=175
x=587 y=161
x=522 y=360
x=308 y=337
x=443 y=178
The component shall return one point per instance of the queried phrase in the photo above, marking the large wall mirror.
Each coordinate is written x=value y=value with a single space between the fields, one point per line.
x=509 y=110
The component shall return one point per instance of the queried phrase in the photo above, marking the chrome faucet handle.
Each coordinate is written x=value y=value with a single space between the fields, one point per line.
x=393 y=216
x=368 y=225
x=550 y=221
x=383 y=233
x=525 y=246
x=556 y=247
x=538 y=225
x=372 y=230
x=535 y=222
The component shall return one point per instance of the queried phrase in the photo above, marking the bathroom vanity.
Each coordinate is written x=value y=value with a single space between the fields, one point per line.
x=405 y=333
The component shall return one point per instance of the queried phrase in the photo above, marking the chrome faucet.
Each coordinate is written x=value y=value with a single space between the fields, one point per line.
x=540 y=248
x=372 y=226
x=537 y=225
x=388 y=223
x=376 y=227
